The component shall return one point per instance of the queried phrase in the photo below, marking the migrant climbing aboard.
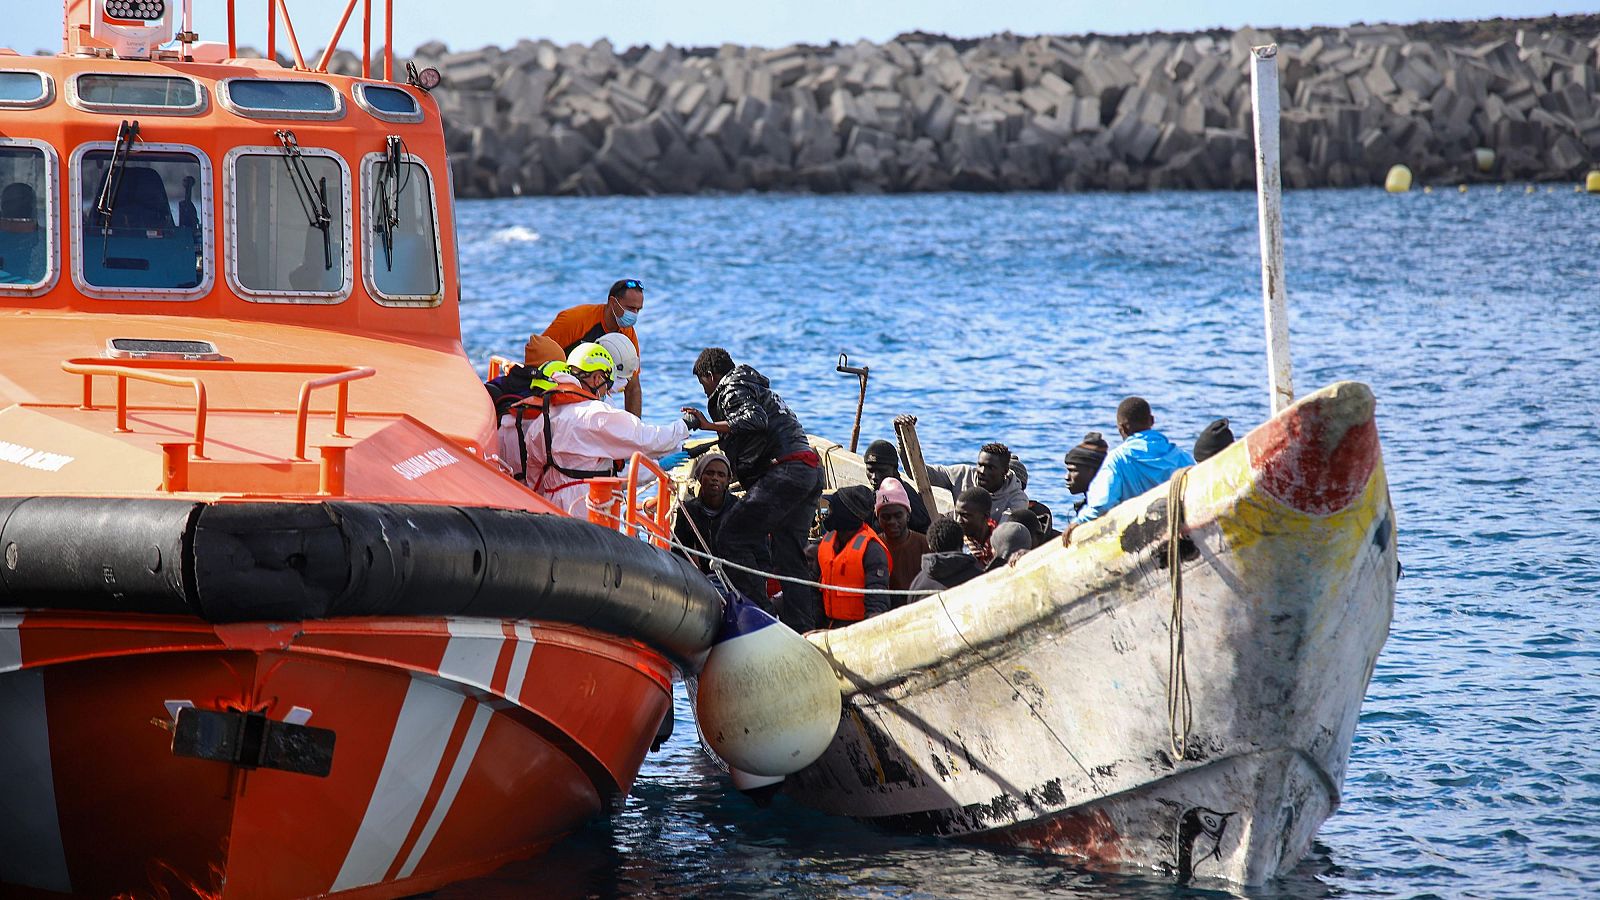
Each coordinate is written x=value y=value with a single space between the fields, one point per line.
x=781 y=475
x=563 y=436
x=588 y=322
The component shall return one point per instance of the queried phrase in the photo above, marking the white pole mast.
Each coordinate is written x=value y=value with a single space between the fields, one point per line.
x=1269 y=196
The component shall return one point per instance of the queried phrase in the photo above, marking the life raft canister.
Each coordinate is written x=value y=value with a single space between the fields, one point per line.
x=847 y=568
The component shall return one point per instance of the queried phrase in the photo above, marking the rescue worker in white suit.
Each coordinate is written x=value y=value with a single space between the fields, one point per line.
x=572 y=434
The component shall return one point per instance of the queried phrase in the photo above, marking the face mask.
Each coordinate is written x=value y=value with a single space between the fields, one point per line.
x=627 y=318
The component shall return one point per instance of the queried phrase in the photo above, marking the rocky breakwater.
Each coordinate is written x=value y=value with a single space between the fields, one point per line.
x=926 y=113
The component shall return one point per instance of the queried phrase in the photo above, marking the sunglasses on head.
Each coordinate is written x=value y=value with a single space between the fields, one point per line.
x=632 y=284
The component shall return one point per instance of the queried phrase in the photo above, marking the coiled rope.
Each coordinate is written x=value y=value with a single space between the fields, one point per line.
x=1180 y=711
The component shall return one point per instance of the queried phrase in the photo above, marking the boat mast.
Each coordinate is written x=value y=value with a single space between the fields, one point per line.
x=1269 y=207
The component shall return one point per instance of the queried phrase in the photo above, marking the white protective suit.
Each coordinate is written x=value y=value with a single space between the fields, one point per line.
x=586 y=435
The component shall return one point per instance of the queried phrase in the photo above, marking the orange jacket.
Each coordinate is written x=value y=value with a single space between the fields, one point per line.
x=849 y=568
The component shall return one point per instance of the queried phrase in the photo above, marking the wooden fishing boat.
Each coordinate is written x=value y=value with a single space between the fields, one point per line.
x=273 y=622
x=1098 y=702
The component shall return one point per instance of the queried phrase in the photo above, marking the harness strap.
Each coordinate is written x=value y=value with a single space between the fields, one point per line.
x=550 y=454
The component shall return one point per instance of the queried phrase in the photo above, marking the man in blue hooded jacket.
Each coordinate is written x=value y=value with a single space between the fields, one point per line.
x=1144 y=459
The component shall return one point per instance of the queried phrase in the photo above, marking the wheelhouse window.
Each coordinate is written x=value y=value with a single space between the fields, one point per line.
x=23 y=89
x=144 y=219
x=401 y=261
x=160 y=94
x=390 y=104
x=281 y=99
x=27 y=248
x=288 y=213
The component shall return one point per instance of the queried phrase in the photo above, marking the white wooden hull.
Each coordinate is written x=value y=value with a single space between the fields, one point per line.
x=1030 y=707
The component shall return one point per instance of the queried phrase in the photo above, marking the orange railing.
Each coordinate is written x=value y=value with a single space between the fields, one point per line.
x=277 y=7
x=633 y=514
x=144 y=370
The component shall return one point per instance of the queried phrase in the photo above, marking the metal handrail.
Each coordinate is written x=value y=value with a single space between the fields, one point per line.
x=341 y=411
x=90 y=368
x=139 y=370
x=657 y=526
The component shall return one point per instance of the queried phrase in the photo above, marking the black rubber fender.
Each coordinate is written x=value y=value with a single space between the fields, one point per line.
x=278 y=561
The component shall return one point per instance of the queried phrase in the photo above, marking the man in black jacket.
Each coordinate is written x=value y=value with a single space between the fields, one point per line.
x=946 y=564
x=782 y=479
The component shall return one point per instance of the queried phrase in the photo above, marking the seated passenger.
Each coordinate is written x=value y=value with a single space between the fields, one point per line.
x=1010 y=540
x=945 y=565
x=1144 y=459
x=851 y=555
x=1213 y=440
x=1083 y=463
x=141 y=200
x=570 y=434
x=906 y=546
x=701 y=515
x=1037 y=517
x=22 y=249
x=882 y=462
x=973 y=510
x=992 y=472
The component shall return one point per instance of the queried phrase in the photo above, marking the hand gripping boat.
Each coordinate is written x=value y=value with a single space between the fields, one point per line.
x=272 y=624
x=1089 y=703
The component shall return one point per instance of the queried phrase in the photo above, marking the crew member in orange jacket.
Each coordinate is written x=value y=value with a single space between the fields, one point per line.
x=852 y=555
x=587 y=322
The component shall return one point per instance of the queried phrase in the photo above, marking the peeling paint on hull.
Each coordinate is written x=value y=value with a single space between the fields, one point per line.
x=1030 y=707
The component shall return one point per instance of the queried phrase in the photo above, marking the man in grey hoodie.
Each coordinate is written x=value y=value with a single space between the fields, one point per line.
x=992 y=472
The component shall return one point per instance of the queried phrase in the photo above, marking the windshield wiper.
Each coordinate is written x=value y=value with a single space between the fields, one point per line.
x=386 y=199
x=127 y=133
x=312 y=194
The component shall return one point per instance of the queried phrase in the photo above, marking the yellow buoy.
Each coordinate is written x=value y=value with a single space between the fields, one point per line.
x=1427 y=189
x=1398 y=181
x=1461 y=188
x=1530 y=189
x=1592 y=182
x=1499 y=188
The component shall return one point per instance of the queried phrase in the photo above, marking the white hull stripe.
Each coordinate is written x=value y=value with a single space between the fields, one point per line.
x=10 y=642
x=474 y=648
x=458 y=773
x=519 y=660
x=31 y=853
x=415 y=753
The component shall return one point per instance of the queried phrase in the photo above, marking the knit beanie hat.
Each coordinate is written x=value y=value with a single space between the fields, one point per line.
x=1213 y=440
x=890 y=492
x=1090 y=452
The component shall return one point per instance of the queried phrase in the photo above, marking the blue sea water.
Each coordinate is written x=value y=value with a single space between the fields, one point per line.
x=1025 y=318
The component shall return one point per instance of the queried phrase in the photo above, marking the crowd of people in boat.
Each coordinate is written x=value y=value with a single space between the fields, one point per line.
x=817 y=560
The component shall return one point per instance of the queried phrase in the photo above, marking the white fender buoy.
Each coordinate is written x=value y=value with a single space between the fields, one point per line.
x=768 y=702
x=1484 y=158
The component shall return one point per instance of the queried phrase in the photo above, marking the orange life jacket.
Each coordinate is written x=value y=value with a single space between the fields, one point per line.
x=847 y=568
x=538 y=405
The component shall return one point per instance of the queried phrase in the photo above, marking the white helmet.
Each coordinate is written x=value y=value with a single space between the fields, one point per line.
x=625 y=359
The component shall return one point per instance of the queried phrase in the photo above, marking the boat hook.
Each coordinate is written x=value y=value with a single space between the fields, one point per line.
x=860 y=372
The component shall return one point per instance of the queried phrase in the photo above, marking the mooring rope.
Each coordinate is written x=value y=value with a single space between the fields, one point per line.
x=717 y=560
x=1180 y=711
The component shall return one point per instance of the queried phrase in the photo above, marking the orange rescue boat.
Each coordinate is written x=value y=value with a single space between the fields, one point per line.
x=274 y=622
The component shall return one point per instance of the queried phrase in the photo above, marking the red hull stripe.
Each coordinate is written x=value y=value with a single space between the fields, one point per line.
x=30 y=829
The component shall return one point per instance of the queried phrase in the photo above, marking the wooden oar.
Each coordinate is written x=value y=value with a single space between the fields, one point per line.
x=912 y=448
